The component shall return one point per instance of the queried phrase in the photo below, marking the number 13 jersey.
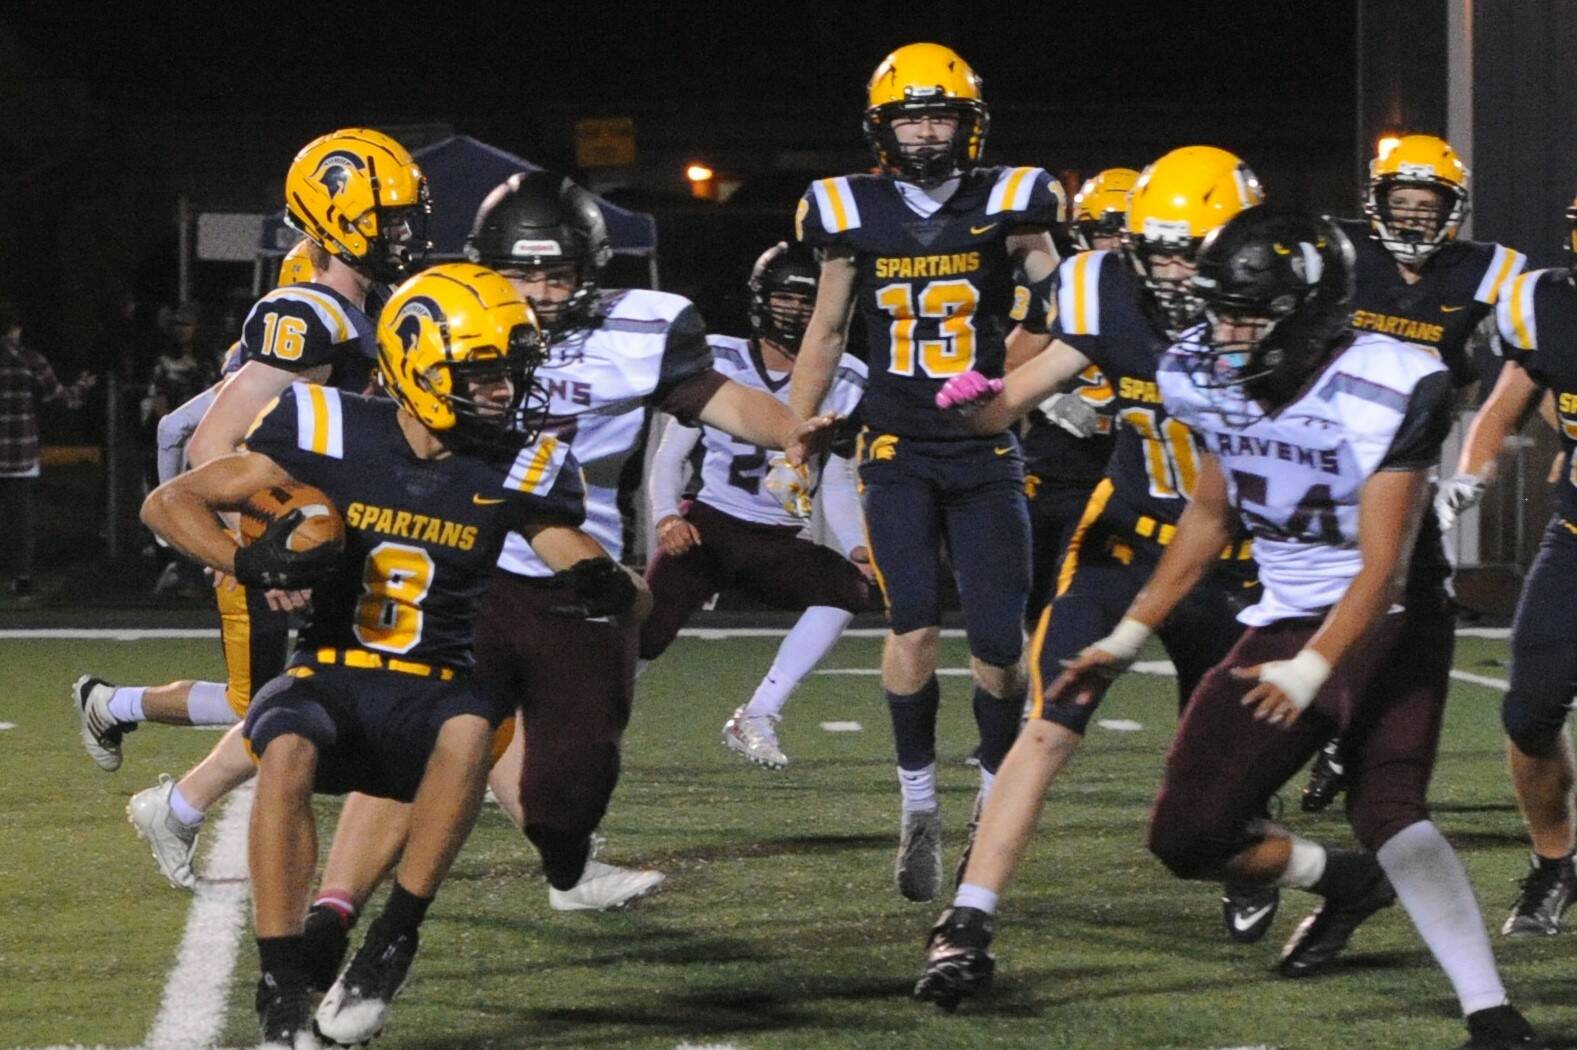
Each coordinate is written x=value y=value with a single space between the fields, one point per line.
x=934 y=282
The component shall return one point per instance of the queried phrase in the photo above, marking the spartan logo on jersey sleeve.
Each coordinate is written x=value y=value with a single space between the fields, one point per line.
x=334 y=170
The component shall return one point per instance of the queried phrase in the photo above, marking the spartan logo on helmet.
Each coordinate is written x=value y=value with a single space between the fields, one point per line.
x=334 y=170
x=408 y=322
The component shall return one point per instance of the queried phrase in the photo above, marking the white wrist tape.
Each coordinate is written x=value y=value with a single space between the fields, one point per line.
x=1300 y=678
x=1125 y=641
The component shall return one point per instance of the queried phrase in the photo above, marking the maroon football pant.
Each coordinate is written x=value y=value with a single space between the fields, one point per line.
x=573 y=681
x=1386 y=699
x=772 y=563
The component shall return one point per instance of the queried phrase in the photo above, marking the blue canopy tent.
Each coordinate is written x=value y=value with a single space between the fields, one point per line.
x=460 y=172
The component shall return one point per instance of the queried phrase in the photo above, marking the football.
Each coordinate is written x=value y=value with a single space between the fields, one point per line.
x=321 y=522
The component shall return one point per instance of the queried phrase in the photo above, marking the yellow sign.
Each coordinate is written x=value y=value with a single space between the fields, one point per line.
x=605 y=142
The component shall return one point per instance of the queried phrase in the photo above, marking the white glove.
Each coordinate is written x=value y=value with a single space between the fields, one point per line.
x=792 y=486
x=1300 y=678
x=1072 y=413
x=1455 y=496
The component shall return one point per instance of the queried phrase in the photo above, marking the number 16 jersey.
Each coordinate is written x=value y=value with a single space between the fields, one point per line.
x=934 y=282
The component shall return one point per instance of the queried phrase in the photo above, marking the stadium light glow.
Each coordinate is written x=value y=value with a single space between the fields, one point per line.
x=699 y=173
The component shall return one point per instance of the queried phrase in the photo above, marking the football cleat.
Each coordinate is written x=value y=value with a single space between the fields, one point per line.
x=357 y=1007
x=1325 y=931
x=101 y=734
x=1499 y=1028
x=1547 y=890
x=918 y=869
x=328 y=939
x=604 y=887
x=958 y=961
x=755 y=737
x=1248 y=911
x=286 y=1016
x=1327 y=780
x=173 y=843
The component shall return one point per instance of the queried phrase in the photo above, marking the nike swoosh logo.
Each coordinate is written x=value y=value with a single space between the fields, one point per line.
x=1003 y=451
x=1452 y=309
x=987 y=228
x=1244 y=921
x=482 y=501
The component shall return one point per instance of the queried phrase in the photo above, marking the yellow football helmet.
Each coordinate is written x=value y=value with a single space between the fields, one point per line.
x=360 y=197
x=915 y=80
x=454 y=328
x=1100 y=208
x=1423 y=162
x=296 y=266
x=1177 y=201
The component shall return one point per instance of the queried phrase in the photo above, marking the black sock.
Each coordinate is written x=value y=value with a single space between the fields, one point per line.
x=998 y=719
x=564 y=854
x=914 y=724
x=1348 y=873
x=404 y=911
x=1545 y=863
x=284 y=958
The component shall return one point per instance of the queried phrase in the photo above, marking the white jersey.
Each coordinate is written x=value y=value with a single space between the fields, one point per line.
x=733 y=470
x=600 y=379
x=1295 y=477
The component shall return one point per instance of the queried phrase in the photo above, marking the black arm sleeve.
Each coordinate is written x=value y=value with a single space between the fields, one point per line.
x=1430 y=413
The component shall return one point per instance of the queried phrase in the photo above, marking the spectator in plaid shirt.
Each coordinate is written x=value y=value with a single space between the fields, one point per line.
x=26 y=380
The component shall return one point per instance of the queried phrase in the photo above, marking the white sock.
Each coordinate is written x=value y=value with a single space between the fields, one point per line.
x=919 y=788
x=184 y=811
x=971 y=896
x=206 y=705
x=1305 y=866
x=817 y=631
x=1433 y=887
x=126 y=704
x=986 y=780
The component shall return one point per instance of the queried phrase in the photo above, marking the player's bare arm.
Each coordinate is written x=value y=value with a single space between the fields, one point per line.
x=761 y=419
x=1022 y=389
x=182 y=510
x=1514 y=398
x=239 y=401
x=825 y=333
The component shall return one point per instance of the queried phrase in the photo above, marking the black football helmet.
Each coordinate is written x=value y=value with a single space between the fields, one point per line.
x=1283 y=282
x=539 y=218
x=783 y=269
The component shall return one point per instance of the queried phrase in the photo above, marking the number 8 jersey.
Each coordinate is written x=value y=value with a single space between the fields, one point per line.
x=935 y=284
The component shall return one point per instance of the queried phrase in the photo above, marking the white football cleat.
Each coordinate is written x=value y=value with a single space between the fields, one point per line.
x=101 y=734
x=918 y=869
x=604 y=887
x=755 y=737
x=173 y=843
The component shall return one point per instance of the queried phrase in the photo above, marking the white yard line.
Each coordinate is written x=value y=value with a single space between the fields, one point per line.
x=197 y=991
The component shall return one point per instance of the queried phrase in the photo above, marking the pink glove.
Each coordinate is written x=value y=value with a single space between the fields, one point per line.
x=967 y=392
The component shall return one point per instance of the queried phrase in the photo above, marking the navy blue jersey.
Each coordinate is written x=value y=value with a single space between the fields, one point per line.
x=1537 y=322
x=420 y=535
x=935 y=290
x=1104 y=314
x=301 y=326
x=1457 y=288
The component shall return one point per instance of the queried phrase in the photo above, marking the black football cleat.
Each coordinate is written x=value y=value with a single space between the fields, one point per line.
x=958 y=962
x=1327 y=780
x=1248 y=911
x=285 y=1012
x=1325 y=931
x=357 y=1007
x=1548 y=890
x=1499 y=1028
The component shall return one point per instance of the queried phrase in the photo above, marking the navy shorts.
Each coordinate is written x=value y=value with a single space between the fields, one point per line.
x=1544 y=645
x=374 y=729
x=964 y=496
x=1055 y=507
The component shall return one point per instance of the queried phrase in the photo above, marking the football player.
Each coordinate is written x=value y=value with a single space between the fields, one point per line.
x=1418 y=281
x=379 y=697
x=736 y=534
x=1321 y=441
x=927 y=250
x=361 y=203
x=1068 y=437
x=1537 y=322
x=613 y=356
x=1118 y=311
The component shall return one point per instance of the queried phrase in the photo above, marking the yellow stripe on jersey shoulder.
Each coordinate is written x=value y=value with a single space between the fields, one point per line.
x=537 y=466
x=1504 y=264
x=1079 y=293
x=1514 y=313
x=320 y=420
x=835 y=201
x=329 y=309
x=1012 y=191
x=257 y=420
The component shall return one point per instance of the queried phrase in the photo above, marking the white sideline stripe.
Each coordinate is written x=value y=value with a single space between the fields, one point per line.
x=1155 y=667
x=707 y=634
x=842 y=727
x=1481 y=679
x=197 y=992
x=707 y=1046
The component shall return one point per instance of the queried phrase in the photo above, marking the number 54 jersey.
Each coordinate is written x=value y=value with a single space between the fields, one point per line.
x=934 y=282
x=421 y=536
x=1295 y=476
